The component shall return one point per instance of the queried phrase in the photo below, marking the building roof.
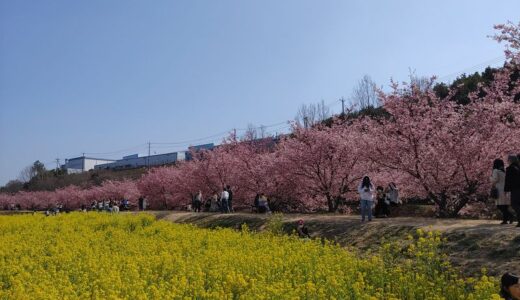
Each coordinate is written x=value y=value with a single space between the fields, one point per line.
x=93 y=158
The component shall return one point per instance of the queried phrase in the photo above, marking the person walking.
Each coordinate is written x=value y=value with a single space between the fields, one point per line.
x=224 y=197
x=512 y=184
x=366 y=195
x=498 y=180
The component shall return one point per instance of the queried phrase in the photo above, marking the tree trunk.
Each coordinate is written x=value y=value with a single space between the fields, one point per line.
x=331 y=203
x=444 y=209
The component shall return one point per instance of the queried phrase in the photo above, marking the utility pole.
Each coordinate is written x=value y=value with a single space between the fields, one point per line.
x=57 y=164
x=148 y=158
x=235 y=134
x=342 y=106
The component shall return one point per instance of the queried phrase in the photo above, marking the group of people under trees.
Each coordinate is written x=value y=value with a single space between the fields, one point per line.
x=506 y=188
x=105 y=205
x=224 y=202
x=380 y=199
x=108 y=205
x=216 y=203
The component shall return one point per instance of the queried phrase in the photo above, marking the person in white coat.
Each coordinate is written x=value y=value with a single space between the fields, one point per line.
x=498 y=180
x=366 y=195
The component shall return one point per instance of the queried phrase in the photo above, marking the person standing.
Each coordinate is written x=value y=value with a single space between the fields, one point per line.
x=197 y=203
x=366 y=195
x=512 y=184
x=498 y=180
x=214 y=206
x=140 y=202
x=256 y=203
x=145 y=203
x=230 y=199
x=392 y=194
x=224 y=197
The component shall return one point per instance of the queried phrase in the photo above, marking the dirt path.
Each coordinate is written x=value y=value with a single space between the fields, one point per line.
x=471 y=244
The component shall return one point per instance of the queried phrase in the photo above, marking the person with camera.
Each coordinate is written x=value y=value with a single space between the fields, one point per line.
x=366 y=195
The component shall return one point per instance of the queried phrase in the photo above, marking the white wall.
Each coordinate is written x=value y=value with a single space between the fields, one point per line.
x=91 y=163
x=81 y=164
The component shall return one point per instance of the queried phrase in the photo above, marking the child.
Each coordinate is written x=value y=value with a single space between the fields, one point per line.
x=382 y=209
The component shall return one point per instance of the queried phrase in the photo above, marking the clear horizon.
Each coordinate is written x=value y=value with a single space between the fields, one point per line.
x=105 y=78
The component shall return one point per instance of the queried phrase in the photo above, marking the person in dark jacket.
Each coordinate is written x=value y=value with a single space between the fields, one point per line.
x=382 y=210
x=510 y=287
x=256 y=203
x=141 y=203
x=512 y=184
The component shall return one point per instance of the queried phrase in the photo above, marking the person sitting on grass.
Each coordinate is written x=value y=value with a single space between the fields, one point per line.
x=302 y=230
x=114 y=208
x=207 y=204
x=125 y=205
x=510 y=287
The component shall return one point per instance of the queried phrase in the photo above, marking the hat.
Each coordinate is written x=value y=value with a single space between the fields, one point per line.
x=509 y=279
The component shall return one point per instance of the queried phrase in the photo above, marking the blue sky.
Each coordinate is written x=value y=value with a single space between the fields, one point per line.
x=104 y=76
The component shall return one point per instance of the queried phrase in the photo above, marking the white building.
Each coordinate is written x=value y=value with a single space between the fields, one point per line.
x=136 y=161
x=83 y=164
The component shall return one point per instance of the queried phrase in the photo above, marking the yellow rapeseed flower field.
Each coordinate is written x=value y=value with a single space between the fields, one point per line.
x=104 y=256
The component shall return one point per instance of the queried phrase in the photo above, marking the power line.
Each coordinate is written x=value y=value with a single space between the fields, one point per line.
x=194 y=140
x=140 y=146
x=221 y=134
x=264 y=126
x=485 y=63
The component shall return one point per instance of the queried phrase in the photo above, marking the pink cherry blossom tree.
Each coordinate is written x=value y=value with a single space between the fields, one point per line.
x=326 y=162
